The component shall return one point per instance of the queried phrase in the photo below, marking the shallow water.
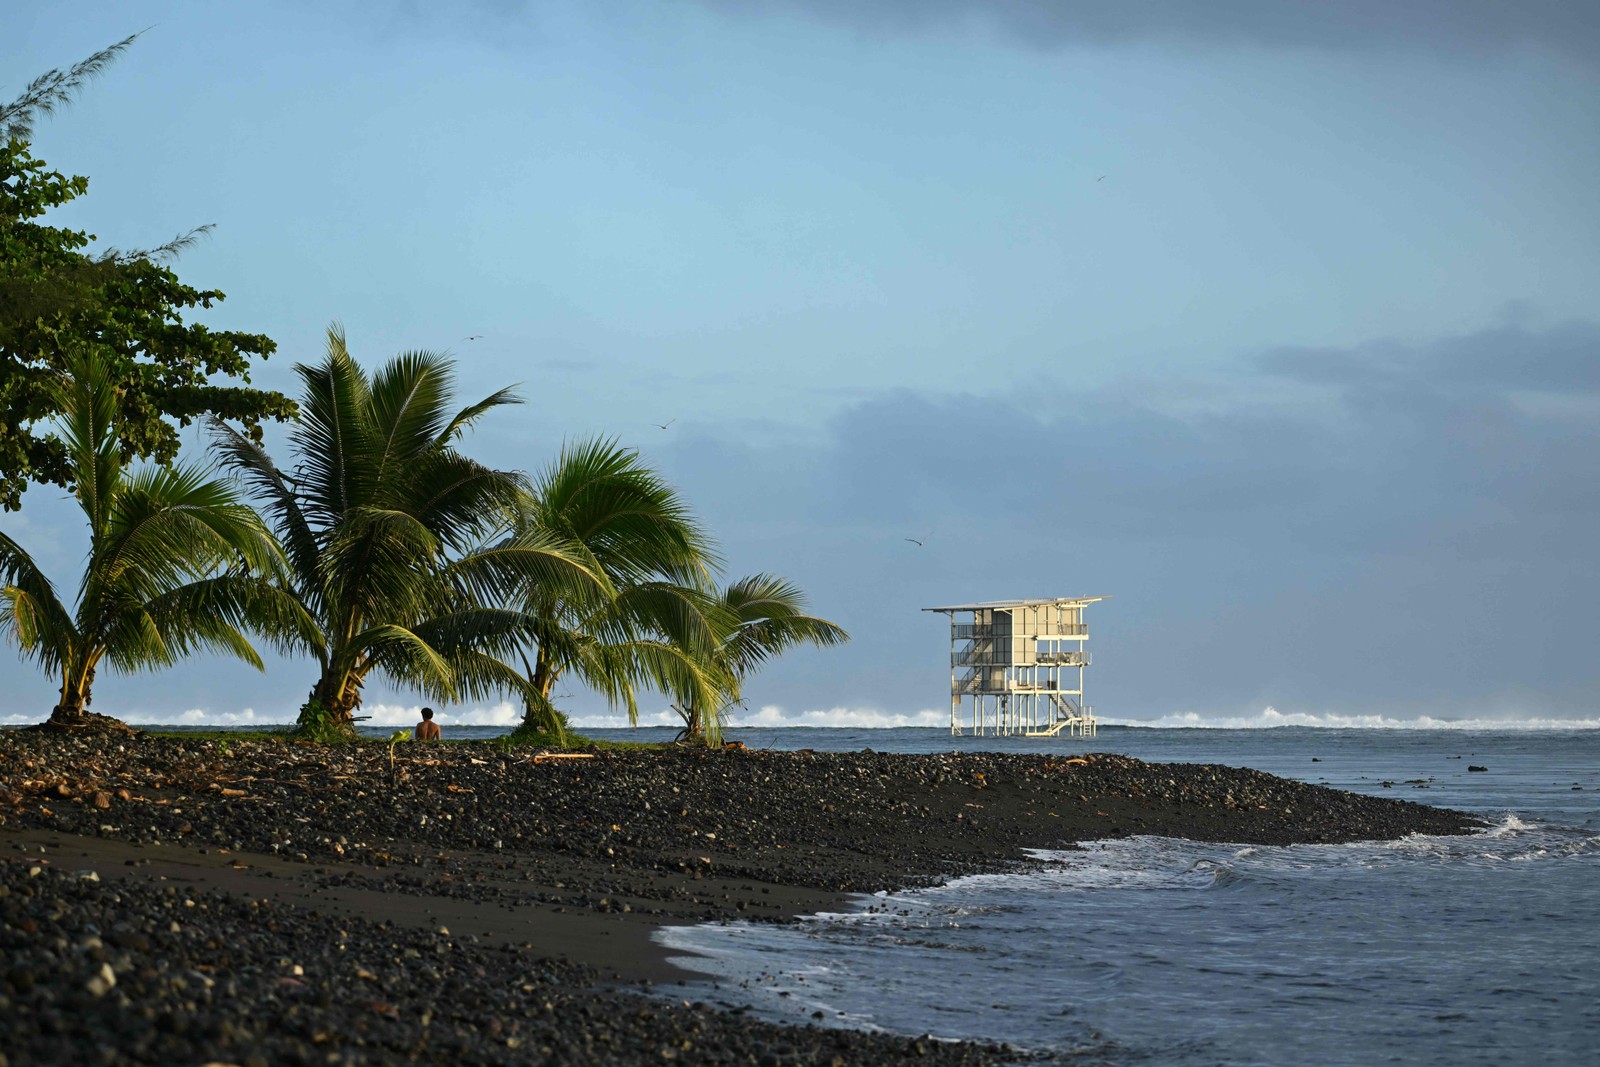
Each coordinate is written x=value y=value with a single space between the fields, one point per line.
x=1482 y=949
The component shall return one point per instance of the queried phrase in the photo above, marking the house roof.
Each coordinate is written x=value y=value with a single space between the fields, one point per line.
x=1032 y=602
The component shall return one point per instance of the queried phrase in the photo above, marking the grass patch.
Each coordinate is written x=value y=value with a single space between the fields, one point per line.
x=282 y=733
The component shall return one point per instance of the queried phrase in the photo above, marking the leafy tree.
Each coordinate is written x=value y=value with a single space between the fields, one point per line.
x=770 y=619
x=654 y=625
x=177 y=563
x=59 y=301
x=379 y=518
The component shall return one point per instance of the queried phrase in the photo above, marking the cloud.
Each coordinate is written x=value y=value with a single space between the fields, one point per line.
x=1465 y=27
x=617 y=720
x=772 y=715
x=1271 y=718
x=1560 y=359
x=1407 y=525
x=201 y=717
x=408 y=715
x=1386 y=447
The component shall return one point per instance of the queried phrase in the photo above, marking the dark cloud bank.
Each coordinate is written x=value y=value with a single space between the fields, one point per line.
x=1410 y=532
x=1479 y=27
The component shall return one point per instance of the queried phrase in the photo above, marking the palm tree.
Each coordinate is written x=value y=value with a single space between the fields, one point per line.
x=177 y=563
x=656 y=625
x=379 y=518
x=769 y=619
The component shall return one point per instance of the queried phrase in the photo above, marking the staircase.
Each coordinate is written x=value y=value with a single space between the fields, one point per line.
x=1069 y=716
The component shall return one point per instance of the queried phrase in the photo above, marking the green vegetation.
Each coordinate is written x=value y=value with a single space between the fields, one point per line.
x=225 y=738
x=651 y=623
x=769 y=618
x=177 y=562
x=378 y=522
x=381 y=548
x=59 y=301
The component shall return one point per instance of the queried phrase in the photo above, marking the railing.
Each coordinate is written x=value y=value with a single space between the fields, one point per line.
x=986 y=655
x=966 y=631
x=976 y=652
x=1067 y=709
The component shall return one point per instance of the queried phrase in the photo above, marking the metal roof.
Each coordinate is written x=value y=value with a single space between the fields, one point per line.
x=1037 y=601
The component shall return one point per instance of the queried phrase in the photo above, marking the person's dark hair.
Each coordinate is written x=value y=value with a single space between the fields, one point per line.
x=427 y=713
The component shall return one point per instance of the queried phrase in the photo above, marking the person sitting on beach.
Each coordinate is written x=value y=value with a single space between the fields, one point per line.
x=427 y=729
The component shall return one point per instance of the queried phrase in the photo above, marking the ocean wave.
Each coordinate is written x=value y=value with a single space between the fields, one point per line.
x=775 y=716
x=1270 y=718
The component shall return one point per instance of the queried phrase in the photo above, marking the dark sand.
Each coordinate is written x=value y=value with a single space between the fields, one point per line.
x=548 y=876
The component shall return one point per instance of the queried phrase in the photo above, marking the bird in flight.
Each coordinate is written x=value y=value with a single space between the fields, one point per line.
x=1101 y=178
x=664 y=425
x=473 y=337
x=916 y=541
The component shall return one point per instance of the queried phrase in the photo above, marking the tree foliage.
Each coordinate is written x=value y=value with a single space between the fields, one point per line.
x=380 y=519
x=769 y=618
x=177 y=562
x=653 y=625
x=59 y=301
x=54 y=90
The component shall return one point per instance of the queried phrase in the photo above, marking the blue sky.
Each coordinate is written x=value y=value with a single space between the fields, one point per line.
x=1277 y=324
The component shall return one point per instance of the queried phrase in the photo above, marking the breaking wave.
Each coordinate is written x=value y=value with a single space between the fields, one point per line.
x=1270 y=717
x=775 y=716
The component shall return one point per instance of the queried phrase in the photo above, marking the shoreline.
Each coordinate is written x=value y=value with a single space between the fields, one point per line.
x=565 y=868
x=617 y=945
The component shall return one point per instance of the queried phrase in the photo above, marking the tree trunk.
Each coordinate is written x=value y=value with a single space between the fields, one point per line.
x=332 y=704
x=73 y=713
x=542 y=718
x=70 y=712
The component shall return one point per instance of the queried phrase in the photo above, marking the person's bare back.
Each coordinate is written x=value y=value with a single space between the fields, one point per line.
x=427 y=729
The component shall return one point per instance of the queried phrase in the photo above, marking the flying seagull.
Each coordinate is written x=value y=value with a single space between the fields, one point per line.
x=915 y=541
x=664 y=425
x=1101 y=178
x=473 y=337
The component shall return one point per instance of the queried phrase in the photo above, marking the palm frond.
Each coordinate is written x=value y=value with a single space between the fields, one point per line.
x=460 y=499
x=215 y=612
x=473 y=412
x=635 y=523
x=332 y=436
x=33 y=615
x=772 y=621
x=403 y=655
x=87 y=399
x=530 y=561
x=281 y=505
x=407 y=401
x=692 y=681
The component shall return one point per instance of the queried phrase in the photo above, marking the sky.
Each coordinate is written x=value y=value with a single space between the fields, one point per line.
x=1274 y=321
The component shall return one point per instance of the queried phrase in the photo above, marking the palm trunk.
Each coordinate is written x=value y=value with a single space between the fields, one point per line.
x=692 y=730
x=540 y=718
x=72 y=709
x=72 y=712
x=332 y=704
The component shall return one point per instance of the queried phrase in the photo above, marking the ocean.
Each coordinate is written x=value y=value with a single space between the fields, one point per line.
x=1469 y=950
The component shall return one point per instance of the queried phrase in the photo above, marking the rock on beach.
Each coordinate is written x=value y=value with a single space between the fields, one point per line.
x=318 y=885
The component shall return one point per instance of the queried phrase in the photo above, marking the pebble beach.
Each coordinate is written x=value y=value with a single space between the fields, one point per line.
x=197 y=900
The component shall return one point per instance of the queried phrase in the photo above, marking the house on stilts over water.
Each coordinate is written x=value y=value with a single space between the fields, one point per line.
x=1021 y=662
